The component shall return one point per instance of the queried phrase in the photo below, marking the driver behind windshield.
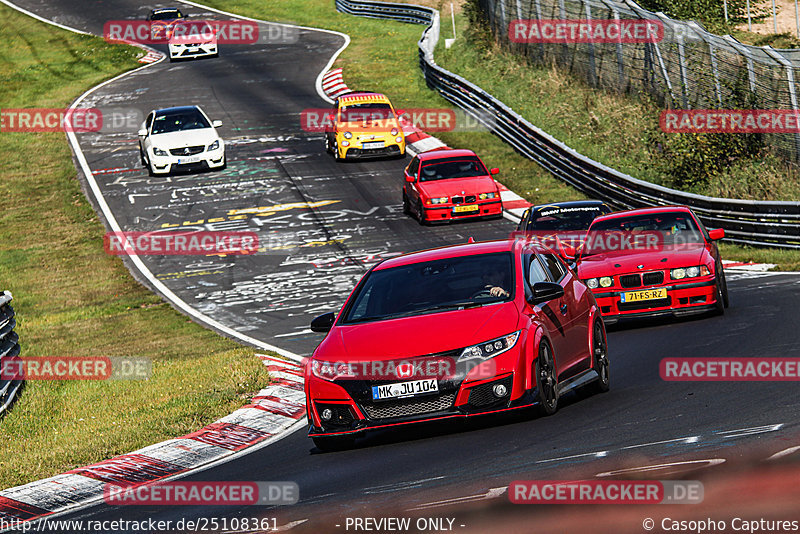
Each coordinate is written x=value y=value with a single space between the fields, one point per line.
x=494 y=281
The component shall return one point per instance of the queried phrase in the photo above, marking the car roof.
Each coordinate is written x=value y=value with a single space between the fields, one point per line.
x=163 y=9
x=568 y=204
x=176 y=109
x=642 y=211
x=355 y=98
x=447 y=153
x=451 y=251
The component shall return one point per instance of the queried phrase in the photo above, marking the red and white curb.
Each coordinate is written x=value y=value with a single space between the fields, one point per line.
x=151 y=56
x=273 y=413
x=418 y=141
x=747 y=266
x=333 y=83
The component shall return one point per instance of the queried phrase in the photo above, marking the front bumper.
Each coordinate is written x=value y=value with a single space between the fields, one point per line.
x=468 y=392
x=482 y=403
x=180 y=51
x=390 y=149
x=211 y=159
x=485 y=208
x=689 y=298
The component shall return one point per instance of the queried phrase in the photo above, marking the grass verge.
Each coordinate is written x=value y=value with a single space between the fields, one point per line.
x=383 y=57
x=72 y=299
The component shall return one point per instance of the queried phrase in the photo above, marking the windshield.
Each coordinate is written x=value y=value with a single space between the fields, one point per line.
x=577 y=218
x=443 y=169
x=176 y=121
x=367 y=112
x=670 y=228
x=171 y=14
x=428 y=287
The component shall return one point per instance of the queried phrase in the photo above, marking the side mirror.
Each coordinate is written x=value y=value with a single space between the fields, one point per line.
x=495 y=170
x=716 y=234
x=410 y=179
x=216 y=124
x=399 y=112
x=545 y=291
x=323 y=323
x=142 y=133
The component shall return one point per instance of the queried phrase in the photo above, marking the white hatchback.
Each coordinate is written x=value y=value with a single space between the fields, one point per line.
x=190 y=39
x=180 y=138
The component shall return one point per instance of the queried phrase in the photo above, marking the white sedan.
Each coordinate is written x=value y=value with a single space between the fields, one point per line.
x=179 y=138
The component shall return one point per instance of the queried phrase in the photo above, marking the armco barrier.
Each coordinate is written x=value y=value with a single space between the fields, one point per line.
x=773 y=223
x=9 y=348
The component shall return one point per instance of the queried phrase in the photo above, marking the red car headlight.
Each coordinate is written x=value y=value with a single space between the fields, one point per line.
x=489 y=349
x=331 y=370
x=689 y=272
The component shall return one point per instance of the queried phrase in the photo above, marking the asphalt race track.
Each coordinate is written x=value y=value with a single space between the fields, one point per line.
x=258 y=91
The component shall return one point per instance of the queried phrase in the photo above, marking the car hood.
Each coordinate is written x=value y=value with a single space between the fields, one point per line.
x=200 y=136
x=420 y=335
x=455 y=186
x=370 y=127
x=626 y=261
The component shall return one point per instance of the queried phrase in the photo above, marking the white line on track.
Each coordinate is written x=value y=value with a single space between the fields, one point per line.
x=109 y=215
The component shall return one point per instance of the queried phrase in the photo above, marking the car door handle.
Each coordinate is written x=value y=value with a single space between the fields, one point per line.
x=563 y=309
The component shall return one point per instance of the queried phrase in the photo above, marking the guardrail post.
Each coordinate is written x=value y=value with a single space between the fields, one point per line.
x=562 y=12
x=713 y=57
x=751 y=72
x=539 y=17
x=592 y=72
x=774 y=54
x=9 y=351
x=620 y=56
x=503 y=18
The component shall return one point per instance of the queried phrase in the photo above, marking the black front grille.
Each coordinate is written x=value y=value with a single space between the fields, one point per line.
x=483 y=395
x=630 y=280
x=653 y=279
x=470 y=198
x=187 y=151
x=406 y=407
x=458 y=200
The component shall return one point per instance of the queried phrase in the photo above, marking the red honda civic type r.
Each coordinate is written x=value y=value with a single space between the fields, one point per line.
x=681 y=274
x=453 y=332
x=445 y=185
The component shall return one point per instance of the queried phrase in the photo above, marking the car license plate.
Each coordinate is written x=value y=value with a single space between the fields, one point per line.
x=461 y=209
x=376 y=144
x=405 y=389
x=190 y=159
x=647 y=294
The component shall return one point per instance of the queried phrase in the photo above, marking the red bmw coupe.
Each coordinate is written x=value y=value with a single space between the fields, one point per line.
x=676 y=271
x=453 y=332
x=443 y=185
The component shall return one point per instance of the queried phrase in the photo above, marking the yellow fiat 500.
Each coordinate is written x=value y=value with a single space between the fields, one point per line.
x=364 y=125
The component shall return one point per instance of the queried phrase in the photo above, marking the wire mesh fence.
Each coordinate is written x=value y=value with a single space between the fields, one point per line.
x=689 y=68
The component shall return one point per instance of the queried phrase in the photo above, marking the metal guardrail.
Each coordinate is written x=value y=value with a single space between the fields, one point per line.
x=9 y=350
x=760 y=223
